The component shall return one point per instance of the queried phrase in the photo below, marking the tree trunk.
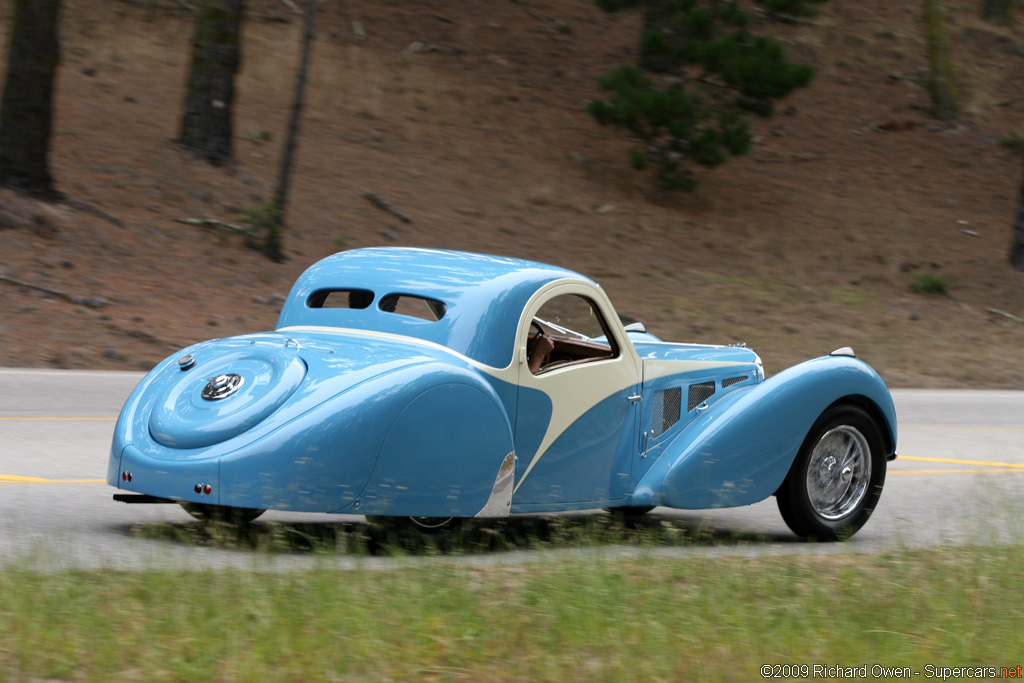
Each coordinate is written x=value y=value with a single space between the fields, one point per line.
x=1017 y=242
x=942 y=84
x=206 y=124
x=27 y=108
x=284 y=176
x=998 y=12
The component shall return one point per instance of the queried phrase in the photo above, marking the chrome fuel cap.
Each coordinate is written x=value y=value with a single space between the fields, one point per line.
x=222 y=386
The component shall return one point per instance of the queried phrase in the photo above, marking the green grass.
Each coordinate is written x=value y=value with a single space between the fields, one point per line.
x=591 y=617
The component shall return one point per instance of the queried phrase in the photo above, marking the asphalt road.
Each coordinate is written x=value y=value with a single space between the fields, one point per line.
x=958 y=480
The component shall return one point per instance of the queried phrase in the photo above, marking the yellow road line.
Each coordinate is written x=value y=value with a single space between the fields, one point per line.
x=948 y=461
x=51 y=419
x=16 y=479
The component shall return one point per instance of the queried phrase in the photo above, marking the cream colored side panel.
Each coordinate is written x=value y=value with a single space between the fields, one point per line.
x=575 y=389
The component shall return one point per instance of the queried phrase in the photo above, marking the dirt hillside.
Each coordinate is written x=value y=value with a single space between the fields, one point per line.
x=468 y=116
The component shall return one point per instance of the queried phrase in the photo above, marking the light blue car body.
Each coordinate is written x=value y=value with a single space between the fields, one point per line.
x=370 y=411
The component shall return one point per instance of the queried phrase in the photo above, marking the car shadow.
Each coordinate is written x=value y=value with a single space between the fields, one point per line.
x=389 y=536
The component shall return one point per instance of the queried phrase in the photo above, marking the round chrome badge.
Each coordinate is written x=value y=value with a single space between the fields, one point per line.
x=222 y=386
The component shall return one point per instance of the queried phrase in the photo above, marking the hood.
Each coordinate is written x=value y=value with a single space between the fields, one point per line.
x=661 y=359
x=663 y=351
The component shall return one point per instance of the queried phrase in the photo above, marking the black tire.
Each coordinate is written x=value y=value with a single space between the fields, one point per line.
x=834 y=484
x=218 y=513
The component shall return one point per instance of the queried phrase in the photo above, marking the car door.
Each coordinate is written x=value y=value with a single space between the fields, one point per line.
x=576 y=424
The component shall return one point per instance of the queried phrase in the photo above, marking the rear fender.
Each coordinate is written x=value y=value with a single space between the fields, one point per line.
x=741 y=449
x=443 y=455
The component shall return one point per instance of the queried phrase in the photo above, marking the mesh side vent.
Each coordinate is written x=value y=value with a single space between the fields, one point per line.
x=665 y=410
x=699 y=393
x=726 y=383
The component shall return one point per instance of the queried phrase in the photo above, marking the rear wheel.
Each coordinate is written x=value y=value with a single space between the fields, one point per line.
x=431 y=524
x=425 y=525
x=837 y=477
x=220 y=513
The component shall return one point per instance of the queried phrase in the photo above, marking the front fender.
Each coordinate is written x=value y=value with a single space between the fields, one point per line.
x=741 y=449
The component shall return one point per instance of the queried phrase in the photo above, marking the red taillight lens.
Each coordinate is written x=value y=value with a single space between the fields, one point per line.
x=207 y=489
x=198 y=488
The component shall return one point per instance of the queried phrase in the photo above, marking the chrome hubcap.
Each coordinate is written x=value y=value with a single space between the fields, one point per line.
x=838 y=473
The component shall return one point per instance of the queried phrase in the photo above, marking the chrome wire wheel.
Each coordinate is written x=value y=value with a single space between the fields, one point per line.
x=836 y=479
x=838 y=473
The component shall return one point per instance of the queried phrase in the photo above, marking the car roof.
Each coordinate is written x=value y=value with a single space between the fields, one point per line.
x=484 y=295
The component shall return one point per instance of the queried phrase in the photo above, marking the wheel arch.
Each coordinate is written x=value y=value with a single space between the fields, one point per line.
x=886 y=424
x=873 y=411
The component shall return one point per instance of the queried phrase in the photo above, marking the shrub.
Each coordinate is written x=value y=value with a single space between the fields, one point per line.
x=267 y=231
x=924 y=282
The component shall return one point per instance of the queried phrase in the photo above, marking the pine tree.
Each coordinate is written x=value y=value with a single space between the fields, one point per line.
x=27 y=109
x=703 y=69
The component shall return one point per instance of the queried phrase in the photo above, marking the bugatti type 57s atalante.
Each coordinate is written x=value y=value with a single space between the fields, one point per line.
x=436 y=384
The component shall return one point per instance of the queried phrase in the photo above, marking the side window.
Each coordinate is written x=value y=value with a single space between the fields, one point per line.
x=566 y=330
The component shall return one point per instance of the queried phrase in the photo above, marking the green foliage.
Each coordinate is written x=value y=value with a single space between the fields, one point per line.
x=716 y=70
x=267 y=231
x=924 y=282
x=675 y=123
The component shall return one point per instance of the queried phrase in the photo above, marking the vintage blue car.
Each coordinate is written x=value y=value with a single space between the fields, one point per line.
x=436 y=384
